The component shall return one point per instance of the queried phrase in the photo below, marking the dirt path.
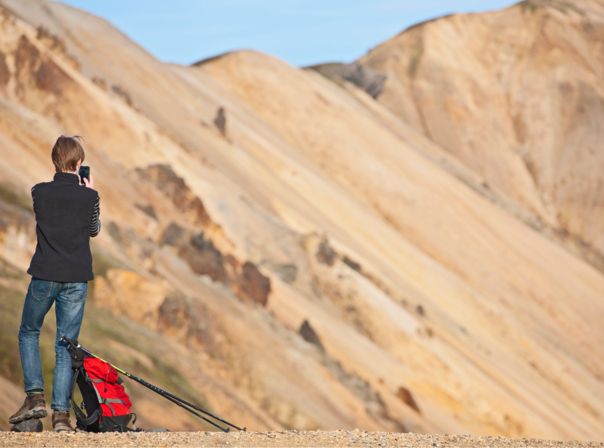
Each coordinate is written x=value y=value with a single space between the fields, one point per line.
x=272 y=439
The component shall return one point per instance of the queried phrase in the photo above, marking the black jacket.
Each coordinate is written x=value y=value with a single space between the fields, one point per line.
x=67 y=215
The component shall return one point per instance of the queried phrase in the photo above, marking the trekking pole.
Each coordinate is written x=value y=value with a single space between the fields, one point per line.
x=167 y=395
x=191 y=405
x=173 y=398
x=178 y=403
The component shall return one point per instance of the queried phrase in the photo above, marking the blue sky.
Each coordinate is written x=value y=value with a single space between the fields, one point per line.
x=302 y=32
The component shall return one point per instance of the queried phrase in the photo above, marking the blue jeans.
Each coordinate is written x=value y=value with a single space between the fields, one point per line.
x=69 y=299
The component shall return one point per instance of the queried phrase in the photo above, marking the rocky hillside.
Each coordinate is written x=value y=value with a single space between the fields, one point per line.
x=287 y=249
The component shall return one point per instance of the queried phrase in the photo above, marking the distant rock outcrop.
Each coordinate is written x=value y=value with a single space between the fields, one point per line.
x=310 y=335
x=361 y=76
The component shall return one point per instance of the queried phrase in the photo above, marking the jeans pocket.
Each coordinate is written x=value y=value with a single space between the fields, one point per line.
x=40 y=289
x=74 y=292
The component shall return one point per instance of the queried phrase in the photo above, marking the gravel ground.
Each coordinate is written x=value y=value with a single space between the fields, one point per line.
x=271 y=439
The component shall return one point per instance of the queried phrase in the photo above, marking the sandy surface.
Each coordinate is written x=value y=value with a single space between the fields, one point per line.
x=272 y=439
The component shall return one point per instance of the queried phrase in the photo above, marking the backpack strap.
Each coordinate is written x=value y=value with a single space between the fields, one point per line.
x=109 y=401
x=83 y=420
x=134 y=428
x=74 y=379
x=96 y=392
x=76 y=410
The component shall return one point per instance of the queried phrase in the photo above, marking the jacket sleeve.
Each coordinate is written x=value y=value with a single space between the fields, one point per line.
x=33 y=197
x=95 y=220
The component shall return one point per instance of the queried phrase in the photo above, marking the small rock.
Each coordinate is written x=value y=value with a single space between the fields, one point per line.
x=31 y=425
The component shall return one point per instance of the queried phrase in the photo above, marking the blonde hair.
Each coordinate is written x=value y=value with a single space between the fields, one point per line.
x=67 y=152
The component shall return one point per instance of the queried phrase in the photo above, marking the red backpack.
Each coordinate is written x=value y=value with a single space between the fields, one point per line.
x=105 y=405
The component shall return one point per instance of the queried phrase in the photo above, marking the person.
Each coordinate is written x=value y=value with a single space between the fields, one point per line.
x=67 y=214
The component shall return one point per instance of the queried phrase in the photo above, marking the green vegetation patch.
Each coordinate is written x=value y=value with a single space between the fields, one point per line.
x=10 y=196
x=11 y=306
x=102 y=262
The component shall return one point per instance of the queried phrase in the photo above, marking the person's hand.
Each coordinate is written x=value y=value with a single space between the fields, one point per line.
x=88 y=183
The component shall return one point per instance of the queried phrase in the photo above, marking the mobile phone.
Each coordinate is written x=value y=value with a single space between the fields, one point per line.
x=84 y=172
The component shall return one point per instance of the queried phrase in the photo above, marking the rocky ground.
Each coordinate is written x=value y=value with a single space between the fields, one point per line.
x=272 y=439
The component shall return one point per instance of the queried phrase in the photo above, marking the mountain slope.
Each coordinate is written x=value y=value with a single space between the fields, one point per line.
x=518 y=96
x=310 y=254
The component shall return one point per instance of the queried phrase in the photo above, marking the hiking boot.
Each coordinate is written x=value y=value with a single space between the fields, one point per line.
x=34 y=406
x=60 y=421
